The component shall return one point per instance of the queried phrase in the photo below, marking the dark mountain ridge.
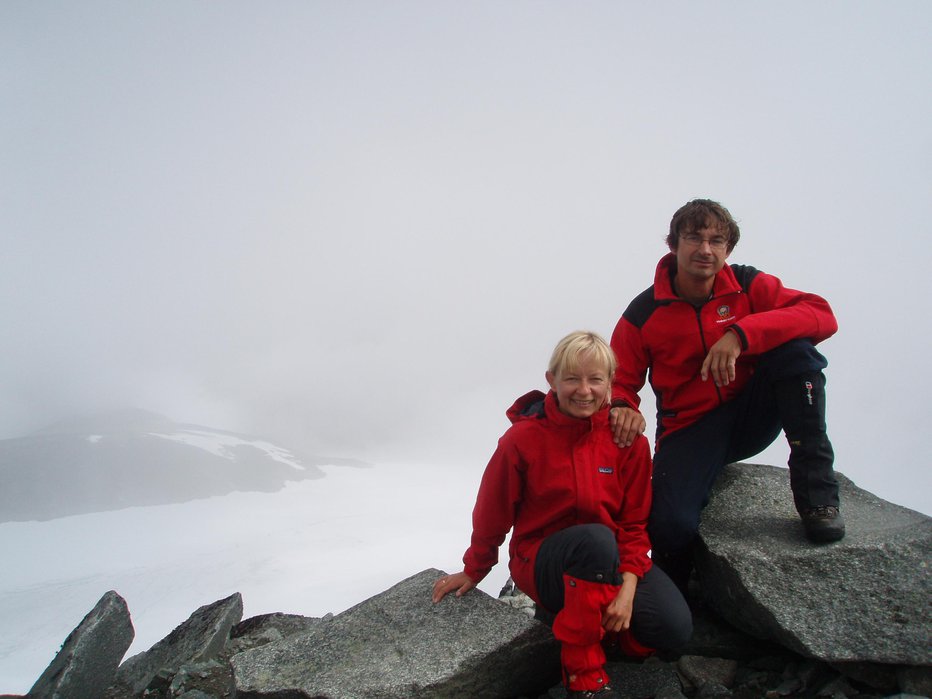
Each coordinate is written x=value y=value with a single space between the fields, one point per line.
x=135 y=457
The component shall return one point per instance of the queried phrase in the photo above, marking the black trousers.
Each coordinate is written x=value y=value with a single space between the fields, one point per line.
x=688 y=461
x=660 y=616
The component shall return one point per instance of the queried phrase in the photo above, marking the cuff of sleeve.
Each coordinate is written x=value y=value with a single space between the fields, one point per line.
x=639 y=572
x=741 y=336
x=621 y=403
x=477 y=576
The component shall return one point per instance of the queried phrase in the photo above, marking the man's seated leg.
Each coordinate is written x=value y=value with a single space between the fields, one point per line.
x=789 y=391
x=801 y=401
x=686 y=464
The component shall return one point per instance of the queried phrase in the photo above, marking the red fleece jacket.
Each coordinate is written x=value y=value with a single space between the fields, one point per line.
x=551 y=471
x=669 y=336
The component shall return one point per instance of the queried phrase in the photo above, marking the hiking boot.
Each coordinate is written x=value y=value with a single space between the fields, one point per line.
x=605 y=692
x=823 y=524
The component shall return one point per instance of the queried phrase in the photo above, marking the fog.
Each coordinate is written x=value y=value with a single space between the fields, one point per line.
x=359 y=228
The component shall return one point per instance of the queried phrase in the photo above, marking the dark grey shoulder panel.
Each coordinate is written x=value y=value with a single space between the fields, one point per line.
x=745 y=275
x=641 y=308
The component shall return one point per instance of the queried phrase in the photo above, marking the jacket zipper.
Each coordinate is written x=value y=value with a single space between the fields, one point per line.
x=705 y=348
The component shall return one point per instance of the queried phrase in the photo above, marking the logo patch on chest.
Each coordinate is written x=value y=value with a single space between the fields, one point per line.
x=724 y=313
x=606 y=469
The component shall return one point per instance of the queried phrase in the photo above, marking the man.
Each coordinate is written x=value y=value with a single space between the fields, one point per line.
x=732 y=360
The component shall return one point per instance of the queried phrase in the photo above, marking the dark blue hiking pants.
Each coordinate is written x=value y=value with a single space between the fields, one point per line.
x=786 y=392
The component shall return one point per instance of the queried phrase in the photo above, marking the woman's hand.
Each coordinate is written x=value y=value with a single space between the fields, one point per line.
x=458 y=582
x=617 y=615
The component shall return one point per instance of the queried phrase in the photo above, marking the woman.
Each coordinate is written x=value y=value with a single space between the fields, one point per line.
x=578 y=505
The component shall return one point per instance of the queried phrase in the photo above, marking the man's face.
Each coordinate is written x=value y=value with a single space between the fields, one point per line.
x=701 y=253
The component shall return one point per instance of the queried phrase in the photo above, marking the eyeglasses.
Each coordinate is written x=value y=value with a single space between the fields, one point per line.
x=716 y=242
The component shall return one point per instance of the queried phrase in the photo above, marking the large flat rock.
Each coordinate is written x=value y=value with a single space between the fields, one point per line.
x=400 y=645
x=865 y=598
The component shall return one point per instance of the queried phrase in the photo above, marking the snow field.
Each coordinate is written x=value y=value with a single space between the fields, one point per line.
x=312 y=548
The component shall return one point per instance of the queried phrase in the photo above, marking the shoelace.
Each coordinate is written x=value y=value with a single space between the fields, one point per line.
x=822 y=512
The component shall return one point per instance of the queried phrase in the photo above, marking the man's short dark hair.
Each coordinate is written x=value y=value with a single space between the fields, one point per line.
x=699 y=214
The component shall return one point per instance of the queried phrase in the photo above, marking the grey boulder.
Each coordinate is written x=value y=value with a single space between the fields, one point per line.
x=89 y=657
x=200 y=638
x=864 y=598
x=399 y=644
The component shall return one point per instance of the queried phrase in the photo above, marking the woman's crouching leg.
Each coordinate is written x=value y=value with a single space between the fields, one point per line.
x=660 y=619
x=577 y=577
x=578 y=627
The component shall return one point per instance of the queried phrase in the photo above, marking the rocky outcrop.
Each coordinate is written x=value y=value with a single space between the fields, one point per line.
x=199 y=639
x=776 y=617
x=401 y=645
x=89 y=657
x=863 y=599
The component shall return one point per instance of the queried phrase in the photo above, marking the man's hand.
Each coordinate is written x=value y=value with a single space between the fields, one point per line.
x=720 y=361
x=627 y=424
x=458 y=582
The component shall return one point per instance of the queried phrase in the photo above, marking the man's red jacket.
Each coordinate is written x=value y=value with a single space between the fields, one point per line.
x=551 y=471
x=671 y=337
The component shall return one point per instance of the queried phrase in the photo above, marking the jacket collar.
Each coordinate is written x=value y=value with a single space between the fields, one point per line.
x=536 y=405
x=725 y=280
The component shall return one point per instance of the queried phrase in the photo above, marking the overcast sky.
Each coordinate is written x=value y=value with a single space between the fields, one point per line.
x=360 y=227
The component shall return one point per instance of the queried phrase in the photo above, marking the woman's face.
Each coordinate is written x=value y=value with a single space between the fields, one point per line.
x=584 y=389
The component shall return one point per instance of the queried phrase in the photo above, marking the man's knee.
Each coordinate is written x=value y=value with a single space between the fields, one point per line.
x=792 y=359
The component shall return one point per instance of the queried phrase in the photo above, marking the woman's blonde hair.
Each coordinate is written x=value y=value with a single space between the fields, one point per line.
x=566 y=354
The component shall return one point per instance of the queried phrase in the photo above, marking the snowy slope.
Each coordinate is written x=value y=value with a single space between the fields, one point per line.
x=314 y=547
